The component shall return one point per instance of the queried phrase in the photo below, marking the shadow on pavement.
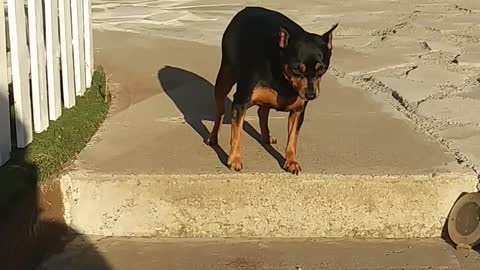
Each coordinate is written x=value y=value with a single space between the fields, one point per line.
x=31 y=215
x=194 y=97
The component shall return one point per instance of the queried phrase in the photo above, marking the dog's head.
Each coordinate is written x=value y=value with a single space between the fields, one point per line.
x=305 y=59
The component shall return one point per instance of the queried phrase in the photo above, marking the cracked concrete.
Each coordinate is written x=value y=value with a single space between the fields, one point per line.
x=457 y=110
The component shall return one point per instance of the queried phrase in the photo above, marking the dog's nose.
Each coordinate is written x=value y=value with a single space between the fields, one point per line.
x=310 y=96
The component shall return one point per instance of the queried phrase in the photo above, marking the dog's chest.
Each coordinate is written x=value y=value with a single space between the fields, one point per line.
x=265 y=96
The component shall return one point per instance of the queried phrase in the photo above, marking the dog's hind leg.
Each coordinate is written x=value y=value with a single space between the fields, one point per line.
x=223 y=85
x=263 y=119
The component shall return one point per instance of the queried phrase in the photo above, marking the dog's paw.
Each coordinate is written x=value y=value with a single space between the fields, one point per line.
x=292 y=166
x=212 y=140
x=235 y=164
x=269 y=140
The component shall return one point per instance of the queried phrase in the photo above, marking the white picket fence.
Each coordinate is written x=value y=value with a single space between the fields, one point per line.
x=46 y=57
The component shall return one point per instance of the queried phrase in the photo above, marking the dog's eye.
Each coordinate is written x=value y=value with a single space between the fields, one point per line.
x=320 y=68
x=321 y=71
x=296 y=71
x=299 y=69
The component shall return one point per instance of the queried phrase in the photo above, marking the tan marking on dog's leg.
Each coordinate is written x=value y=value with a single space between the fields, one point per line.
x=238 y=117
x=295 y=120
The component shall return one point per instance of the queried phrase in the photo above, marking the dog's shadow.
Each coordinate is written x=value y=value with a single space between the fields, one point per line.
x=194 y=97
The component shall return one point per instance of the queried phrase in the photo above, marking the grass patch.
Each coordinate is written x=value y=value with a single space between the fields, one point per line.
x=50 y=150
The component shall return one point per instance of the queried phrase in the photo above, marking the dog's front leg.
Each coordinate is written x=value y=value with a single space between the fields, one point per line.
x=295 y=121
x=238 y=116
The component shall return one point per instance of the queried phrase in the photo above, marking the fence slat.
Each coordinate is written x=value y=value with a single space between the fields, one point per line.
x=78 y=46
x=38 y=63
x=66 y=53
x=5 y=140
x=20 y=72
x=53 y=59
x=89 y=62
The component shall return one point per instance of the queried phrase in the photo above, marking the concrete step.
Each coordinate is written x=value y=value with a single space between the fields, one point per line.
x=367 y=171
x=261 y=205
x=95 y=253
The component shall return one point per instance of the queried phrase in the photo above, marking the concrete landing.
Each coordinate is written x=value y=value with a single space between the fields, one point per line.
x=146 y=254
x=165 y=109
x=367 y=172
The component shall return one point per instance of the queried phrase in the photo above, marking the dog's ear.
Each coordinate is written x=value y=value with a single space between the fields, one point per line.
x=283 y=37
x=328 y=36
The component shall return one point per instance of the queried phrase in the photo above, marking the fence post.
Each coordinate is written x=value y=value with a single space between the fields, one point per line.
x=5 y=140
x=38 y=66
x=53 y=59
x=87 y=10
x=67 y=53
x=20 y=71
x=78 y=46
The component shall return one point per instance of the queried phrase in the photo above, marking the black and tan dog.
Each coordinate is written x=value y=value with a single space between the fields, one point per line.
x=276 y=64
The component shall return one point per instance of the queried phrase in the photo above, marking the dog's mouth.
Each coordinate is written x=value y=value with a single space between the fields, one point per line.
x=308 y=97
